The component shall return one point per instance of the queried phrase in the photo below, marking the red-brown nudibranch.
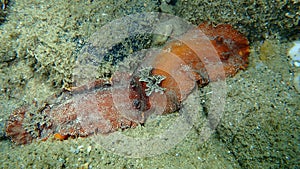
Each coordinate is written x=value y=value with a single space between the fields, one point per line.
x=96 y=111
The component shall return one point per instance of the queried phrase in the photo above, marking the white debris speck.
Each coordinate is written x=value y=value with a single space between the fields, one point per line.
x=77 y=150
x=89 y=148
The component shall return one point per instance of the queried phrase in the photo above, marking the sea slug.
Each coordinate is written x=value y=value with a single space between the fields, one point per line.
x=108 y=108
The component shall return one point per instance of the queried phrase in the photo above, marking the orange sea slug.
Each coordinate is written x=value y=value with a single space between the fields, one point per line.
x=97 y=112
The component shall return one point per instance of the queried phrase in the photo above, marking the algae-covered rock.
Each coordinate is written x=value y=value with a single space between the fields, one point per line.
x=256 y=19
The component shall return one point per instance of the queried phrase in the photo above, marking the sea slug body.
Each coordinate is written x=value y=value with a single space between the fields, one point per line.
x=96 y=111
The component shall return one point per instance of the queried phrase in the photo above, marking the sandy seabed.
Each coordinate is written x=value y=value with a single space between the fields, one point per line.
x=259 y=127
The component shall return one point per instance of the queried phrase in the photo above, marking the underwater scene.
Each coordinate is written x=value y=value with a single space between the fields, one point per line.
x=149 y=84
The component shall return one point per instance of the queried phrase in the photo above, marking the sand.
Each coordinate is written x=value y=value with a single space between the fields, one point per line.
x=259 y=127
